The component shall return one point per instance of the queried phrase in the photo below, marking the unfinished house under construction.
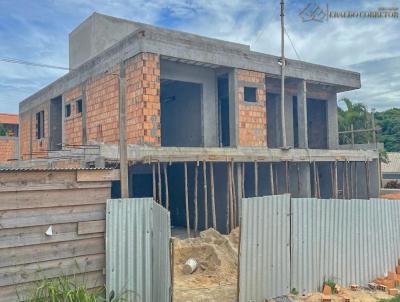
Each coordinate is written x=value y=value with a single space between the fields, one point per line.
x=203 y=121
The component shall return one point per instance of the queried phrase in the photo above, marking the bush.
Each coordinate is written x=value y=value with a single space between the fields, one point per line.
x=64 y=289
x=393 y=184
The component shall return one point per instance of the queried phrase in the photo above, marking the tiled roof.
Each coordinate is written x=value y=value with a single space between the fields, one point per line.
x=7 y=118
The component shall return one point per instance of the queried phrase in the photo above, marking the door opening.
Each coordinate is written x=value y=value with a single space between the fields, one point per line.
x=223 y=110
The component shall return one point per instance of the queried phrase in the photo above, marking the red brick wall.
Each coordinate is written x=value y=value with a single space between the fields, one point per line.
x=252 y=116
x=73 y=123
x=143 y=99
x=24 y=136
x=102 y=108
x=7 y=149
x=102 y=116
x=40 y=146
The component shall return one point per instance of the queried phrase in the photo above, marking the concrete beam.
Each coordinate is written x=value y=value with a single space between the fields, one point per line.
x=179 y=154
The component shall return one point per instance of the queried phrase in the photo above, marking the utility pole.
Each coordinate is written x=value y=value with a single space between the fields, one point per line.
x=283 y=63
x=123 y=157
x=373 y=128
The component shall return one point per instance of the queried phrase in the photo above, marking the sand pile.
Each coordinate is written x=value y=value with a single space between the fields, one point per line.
x=361 y=295
x=216 y=276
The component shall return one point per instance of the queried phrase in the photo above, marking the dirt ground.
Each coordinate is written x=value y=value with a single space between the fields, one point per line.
x=391 y=196
x=216 y=276
x=361 y=295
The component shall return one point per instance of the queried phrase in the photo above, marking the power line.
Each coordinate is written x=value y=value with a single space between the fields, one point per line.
x=291 y=42
x=23 y=62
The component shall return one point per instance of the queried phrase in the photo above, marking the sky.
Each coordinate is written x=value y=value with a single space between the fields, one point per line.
x=38 y=30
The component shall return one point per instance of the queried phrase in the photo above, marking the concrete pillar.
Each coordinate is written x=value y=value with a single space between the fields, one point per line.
x=302 y=114
x=333 y=135
x=233 y=109
x=304 y=180
x=289 y=119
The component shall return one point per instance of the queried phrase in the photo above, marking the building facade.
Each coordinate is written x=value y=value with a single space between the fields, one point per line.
x=203 y=120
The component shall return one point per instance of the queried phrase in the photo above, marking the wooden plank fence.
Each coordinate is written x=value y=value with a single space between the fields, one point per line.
x=73 y=203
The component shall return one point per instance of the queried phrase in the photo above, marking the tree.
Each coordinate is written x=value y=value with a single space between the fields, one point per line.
x=389 y=121
x=355 y=114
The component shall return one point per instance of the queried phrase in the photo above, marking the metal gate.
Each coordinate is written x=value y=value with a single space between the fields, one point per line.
x=138 y=235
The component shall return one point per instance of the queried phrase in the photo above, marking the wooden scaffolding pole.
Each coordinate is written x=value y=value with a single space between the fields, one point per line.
x=244 y=173
x=214 y=214
x=367 y=179
x=271 y=178
x=287 y=176
x=255 y=178
x=234 y=211
x=154 y=183
x=205 y=194
x=166 y=186
x=187 y=201
x=159 y=183
x=196 y=183
x=228 y=196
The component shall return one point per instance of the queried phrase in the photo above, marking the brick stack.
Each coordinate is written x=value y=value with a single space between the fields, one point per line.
x=73 y=123
x=143 y=99
x=390 y=282
x=252 y=116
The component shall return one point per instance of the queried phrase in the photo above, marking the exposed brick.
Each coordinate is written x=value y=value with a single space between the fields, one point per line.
x=73 y=123
x=393 y=291
x=143 y=99
x=252 y=116
x=102 y=108
x=40 y=146
x=7 y=149
x=24 y=135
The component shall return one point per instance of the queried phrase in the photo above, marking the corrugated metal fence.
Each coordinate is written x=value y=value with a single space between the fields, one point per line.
x=264 y=248
x=137 y=250
x=348 y=241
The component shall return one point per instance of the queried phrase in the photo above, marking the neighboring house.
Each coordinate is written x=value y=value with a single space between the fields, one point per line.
x=8 y=138
x=391 y=170
x=198 y=100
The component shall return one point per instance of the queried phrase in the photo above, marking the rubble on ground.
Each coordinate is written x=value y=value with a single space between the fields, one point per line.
x=215 y=278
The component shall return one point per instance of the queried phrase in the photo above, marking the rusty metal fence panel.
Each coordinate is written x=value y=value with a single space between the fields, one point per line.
x=348 y=241
x=264 y=248
x=137 y=250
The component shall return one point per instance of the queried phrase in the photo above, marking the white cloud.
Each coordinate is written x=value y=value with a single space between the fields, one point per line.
x=40 y=33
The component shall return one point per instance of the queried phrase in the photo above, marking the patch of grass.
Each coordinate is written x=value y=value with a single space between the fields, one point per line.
x=331 y=284
x=394 y=299
x=65 y=289
x=294 y=291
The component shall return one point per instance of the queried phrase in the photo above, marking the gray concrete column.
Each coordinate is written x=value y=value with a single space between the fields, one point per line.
x=289 y=119
x=304 y=180
x=333 y=135
x=302 y=114
x=233 y=109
